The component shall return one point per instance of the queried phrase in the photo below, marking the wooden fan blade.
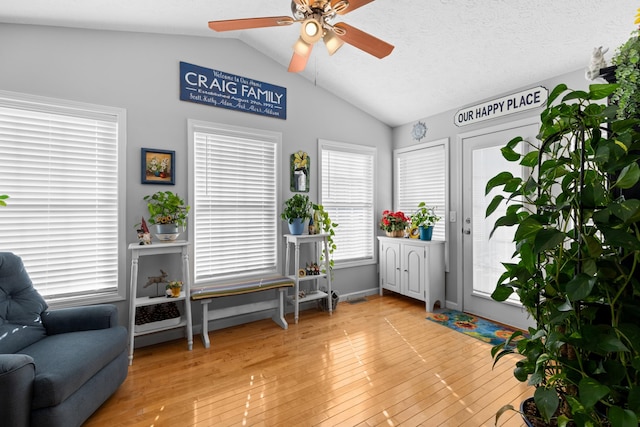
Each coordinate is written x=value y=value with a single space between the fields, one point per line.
x=248 y=23
x=353 y=5
x=299 y=62
x=363 y=41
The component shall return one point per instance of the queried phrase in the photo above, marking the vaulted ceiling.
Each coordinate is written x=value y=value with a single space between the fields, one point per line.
x=448 y=53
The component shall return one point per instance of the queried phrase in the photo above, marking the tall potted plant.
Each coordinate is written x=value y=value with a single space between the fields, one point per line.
x=577 y=261
x=297 y=210
x=168 y=214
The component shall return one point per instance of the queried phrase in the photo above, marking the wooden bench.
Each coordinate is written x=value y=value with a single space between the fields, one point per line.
x=205 y=295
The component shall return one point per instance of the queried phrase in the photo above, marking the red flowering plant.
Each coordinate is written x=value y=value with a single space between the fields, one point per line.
x=394 y=221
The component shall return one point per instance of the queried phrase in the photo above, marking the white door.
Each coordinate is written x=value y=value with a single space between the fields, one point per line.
x=482 y=257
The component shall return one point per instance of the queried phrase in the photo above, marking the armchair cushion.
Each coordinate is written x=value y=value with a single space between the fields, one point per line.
x=21 y=306
x=79 y=357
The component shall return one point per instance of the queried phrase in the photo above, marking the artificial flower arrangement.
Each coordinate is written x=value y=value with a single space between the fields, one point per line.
x=394 y=221
x=174 y=287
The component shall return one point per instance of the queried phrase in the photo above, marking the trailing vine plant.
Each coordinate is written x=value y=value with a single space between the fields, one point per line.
x=325 y=225
x=627 y=62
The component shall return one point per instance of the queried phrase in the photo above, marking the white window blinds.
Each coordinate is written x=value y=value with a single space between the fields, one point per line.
x=421 y=176
x=60 y=168
x=347 y=194
x=234 y=201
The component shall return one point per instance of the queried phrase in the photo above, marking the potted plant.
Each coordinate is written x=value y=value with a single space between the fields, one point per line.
x=323 y=224
x=626 y=62
x=425 y=218
x=394 y=223
x=297 y=210
x=577 y=261
x=3 y=197
x=174 y=286
x=167 y=214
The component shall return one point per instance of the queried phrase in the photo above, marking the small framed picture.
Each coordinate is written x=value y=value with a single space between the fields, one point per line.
x=158 y=166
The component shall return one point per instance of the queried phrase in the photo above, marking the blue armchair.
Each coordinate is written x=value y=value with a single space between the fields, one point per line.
x=56 y=366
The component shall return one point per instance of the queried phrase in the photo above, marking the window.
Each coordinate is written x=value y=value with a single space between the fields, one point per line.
x=63 y=168
x=421 y=176
x=233 y=191
x=347 y=174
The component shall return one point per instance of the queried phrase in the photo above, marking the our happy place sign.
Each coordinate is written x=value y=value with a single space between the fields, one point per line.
x=516 y=103
x=219 y=89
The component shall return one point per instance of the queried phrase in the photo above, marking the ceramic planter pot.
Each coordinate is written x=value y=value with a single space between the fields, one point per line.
x=297 y=226
x=166 y=232
x=426 y=232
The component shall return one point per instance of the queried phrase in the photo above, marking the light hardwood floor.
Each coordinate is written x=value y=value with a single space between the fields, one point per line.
x=373 y=363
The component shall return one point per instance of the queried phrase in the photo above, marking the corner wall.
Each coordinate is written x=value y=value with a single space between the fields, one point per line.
x=442 y=126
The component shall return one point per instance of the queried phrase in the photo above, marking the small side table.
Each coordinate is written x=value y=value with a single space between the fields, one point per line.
x=296 y=241
x=137 y=250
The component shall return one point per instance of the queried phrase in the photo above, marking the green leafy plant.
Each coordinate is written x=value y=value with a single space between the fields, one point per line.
x=298 y=206
x=577 y=259
x=3 y=197
x=166 y=207
x=325 y=225
x=424 y=216
x=627 y=62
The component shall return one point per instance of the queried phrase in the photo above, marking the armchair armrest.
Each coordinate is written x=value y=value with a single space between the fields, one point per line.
x=83 y=318
x=17 y=373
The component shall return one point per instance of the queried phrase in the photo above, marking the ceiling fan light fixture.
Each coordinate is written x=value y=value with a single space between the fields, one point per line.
x=332 y=42
x=311 y=31
x=301 y=47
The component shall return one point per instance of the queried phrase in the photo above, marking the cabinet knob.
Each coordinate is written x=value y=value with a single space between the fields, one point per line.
x=467 y=231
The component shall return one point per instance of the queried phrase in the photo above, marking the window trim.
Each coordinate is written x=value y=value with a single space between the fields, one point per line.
x=193 y=126
x=422 y=146
x=31 y=102
x=355 y=148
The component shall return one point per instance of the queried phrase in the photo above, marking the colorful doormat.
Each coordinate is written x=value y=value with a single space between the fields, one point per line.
x=477 y=327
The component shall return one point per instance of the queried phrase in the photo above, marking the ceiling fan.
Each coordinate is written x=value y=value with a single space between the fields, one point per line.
x=316 y=17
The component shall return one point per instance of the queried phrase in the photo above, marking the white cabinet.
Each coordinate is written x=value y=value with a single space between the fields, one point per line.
x=180 y=247
x=414 y=268
x=314 y=293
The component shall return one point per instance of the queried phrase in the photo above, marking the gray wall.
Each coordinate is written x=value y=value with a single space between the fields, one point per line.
x=140 y=72
x=442 y=126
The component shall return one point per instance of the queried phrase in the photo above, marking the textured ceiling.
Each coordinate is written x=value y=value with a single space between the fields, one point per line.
x=448 y=53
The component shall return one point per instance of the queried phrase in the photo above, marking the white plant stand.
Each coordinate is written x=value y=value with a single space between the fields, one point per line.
x=176 y=247
x=322 y=244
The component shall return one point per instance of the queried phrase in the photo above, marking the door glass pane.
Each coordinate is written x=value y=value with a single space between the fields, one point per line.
x=489 y=254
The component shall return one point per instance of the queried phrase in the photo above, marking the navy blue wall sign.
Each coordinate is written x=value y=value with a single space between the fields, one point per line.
x=224 y=90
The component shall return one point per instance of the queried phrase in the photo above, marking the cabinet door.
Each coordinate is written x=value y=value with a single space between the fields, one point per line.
x=390 y=266
x=413 y=271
